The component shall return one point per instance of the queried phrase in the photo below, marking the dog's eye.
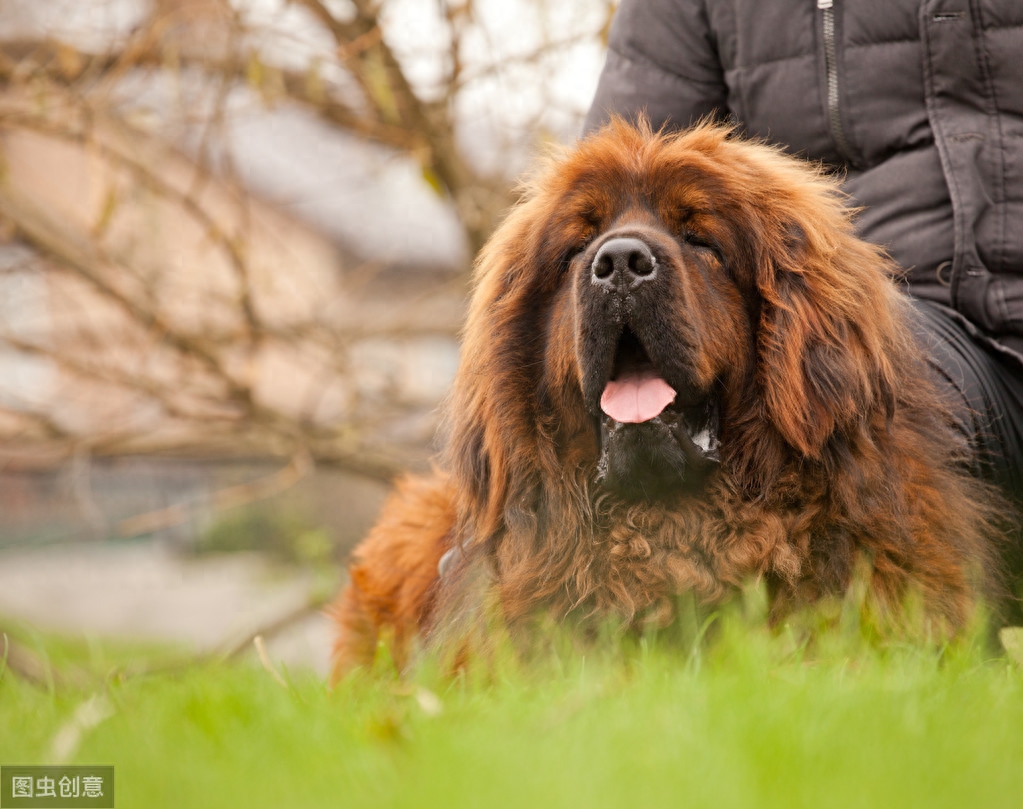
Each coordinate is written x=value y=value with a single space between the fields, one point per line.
x=701 y=242
x=576 y=250
x=582 y=243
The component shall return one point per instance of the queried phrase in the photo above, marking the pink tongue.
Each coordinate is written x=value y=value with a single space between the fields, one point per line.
x=636 y=397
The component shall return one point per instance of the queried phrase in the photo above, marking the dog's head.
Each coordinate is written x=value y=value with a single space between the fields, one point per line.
x=661 y=311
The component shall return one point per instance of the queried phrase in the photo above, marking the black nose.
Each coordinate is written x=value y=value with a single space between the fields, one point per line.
x=624 y=263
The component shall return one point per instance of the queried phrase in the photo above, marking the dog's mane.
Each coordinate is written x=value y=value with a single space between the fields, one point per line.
x=840 y=447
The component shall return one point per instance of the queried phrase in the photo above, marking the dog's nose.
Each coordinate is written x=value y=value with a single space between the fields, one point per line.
x=624 y=263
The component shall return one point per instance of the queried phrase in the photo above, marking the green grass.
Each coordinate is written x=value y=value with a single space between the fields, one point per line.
x=750 y=719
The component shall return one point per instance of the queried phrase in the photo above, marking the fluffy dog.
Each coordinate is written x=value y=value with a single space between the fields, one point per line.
x=681 y=371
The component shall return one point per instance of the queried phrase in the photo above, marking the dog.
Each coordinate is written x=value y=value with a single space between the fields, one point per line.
x=681 y=371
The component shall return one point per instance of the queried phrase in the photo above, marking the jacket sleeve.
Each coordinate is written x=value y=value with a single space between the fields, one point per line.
x=662 y=61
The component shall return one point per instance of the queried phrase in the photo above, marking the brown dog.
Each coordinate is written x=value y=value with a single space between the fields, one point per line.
x=681 y=371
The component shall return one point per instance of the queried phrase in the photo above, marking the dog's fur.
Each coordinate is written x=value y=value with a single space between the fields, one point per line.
x=765 y=312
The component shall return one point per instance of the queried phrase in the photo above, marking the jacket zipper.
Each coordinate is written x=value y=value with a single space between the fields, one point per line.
x=827 y=10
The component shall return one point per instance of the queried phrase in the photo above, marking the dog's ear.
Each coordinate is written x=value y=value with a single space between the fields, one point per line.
x=489 y=447
x=828 y=329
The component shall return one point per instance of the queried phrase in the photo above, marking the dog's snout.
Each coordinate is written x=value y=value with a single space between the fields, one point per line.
x=624 y=263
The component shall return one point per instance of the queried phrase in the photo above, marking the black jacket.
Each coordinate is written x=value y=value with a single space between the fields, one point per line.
x=920 y=102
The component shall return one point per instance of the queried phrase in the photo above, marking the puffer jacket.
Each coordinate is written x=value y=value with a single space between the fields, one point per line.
x=918 y=102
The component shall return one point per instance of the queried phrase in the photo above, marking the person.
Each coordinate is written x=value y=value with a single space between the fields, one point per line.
x=918 y=104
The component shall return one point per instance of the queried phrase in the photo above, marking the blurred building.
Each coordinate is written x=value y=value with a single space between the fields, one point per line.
x=200 y=268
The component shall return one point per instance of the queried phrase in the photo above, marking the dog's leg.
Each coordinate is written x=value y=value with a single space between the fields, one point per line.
x=355 y=643
x=394 y=575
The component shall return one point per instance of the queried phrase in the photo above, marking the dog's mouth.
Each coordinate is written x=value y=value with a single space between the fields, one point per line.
x=656 y=438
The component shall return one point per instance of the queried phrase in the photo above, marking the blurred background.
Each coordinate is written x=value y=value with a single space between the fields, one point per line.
x=235 y=239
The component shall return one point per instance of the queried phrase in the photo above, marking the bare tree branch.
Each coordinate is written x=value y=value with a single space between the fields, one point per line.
x=224 y=355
